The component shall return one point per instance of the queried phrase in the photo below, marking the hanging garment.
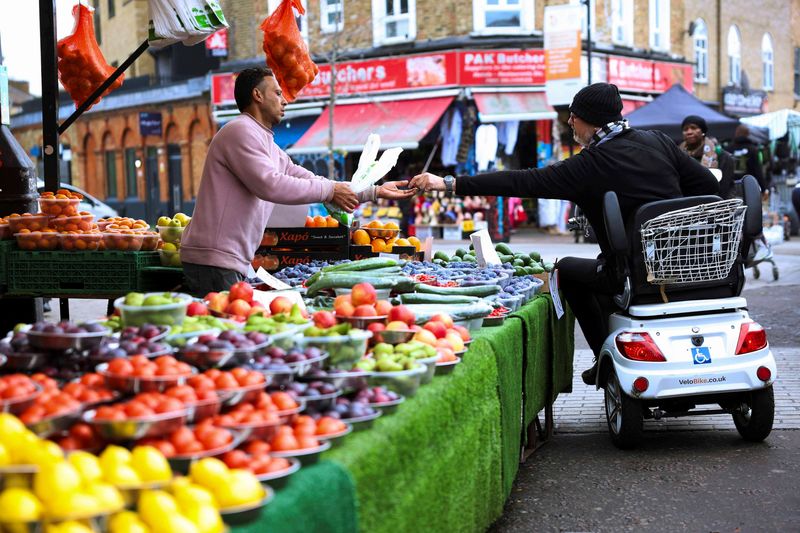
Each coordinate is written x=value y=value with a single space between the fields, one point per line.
x=485 y=146
x=451 y=137
x=469 y=118
x=507 y=133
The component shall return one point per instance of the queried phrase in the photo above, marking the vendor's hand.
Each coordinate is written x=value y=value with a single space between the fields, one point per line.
x=390 y=191
x=344 y=197
x=427 y=182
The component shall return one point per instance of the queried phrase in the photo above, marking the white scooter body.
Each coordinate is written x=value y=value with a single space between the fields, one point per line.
x=698 y=339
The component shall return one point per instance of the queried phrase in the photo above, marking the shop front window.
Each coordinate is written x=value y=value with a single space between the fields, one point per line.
x=111 y=173
x=331 y=15
x=659 y=25
x=700 y=39
x=394 y=21
x=132 y=164
x=734 y=56
x=503 y=16
x=768 y=59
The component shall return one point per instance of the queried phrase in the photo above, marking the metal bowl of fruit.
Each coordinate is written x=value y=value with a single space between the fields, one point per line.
x=204 y=357
x=447 y=367
x=405 y=382
x=280 y=478
x=71 y=337
x=307 y=456
x=257 y=430
x=430 y=369
x=288 y=416
x=17 y=406
x=136 y=428
x=244 y=514
x=248 y=393
x=19 y=476
x=361 y=322
x=336 y=438
x=55 y=424
x=395 y=336
x=202 y=409
x=345 y=381
x=135 y=384
x=360 y=423
x=25 y=361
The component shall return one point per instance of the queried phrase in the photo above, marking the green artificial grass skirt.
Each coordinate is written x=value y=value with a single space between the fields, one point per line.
x=435 y=464
x=535 y=317
x=319 y=498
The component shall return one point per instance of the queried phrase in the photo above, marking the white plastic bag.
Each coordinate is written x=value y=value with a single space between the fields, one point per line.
x=186 y=21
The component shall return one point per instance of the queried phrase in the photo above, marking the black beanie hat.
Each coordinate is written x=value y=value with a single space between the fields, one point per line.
x=598 y=104
x=700 y=122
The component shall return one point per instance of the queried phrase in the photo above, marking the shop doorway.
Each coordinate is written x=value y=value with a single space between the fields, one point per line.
x=175 y=173
x=152 y=207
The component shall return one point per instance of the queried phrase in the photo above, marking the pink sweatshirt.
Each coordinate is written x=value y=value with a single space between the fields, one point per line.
x=245 y=174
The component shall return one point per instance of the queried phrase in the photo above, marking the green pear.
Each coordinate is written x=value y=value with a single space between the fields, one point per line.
x=156 y=299
x=383 y=347
x=386 y=365
x=368 y=365
x=430 y=351
x=135 y=299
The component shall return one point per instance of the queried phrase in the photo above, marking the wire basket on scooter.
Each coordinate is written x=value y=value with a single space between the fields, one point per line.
x=695 y=244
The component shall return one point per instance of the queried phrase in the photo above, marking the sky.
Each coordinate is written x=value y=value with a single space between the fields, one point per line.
x=19 y=33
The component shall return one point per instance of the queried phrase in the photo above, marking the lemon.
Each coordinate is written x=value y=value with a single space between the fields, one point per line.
x=10 y=427
x=150 y=464
x=69 y=527
x=206 y=518
x=241 y=489
x=87 y=465
x=155 y=506
x=54 y=481
x=169 y=247
x=21 y=447
x=5 y=457
x=127 y=522
x=45 y=452
x=74 y=504
x=209 y=472
x=113 y=456
x=19 y=505
x=122 y=475
x=174 y=523
x=188 y=495
x=108 y=496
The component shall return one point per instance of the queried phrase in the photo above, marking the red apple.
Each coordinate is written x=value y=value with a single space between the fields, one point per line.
x=280 y=304
x=397 y=326
x=377 y=327
x=363 y=294
x=197 y=309
x=437 y=328
x=345 y=309
x=242 y=291
x=217 y=301
x=403 y=314
x=258 y=309
x=238 y=308
x=464 y=332
x=444 y=319
x=425 y=336
x=383 y=307
x=324 y=319
x=364 y=310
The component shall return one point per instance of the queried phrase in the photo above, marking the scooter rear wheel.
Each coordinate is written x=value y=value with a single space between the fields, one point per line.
x=624 y=415
x=756 y=424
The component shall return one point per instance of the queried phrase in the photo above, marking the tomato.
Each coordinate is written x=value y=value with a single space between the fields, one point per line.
x=277 y=464
x=239 y=373
x=145 y=371
x=184 y=393
x=181 y=437
x=201 y=382
x=82 y=432
x=252 y=378
x=236 y=459
x=283 y=400
x=140 y=360
x=217 y=439
x=257 y=447
x=192 y=447
x=306 y=430
x=327 y=425
x=167 y=405
x=120 y=367
x=135 y=409
x=69 y=444
x=226 y=381
x=166 y=360
x=284 y=442
x=164 y=447
x=92 y=380
x=226 y=421
x=307 y=442
x=213 y=373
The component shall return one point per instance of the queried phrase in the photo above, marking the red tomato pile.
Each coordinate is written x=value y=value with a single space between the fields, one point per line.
x=143 y=405
x=142 y=367
x=226 y=380
x=81 y=436
x=185 y=441
x=254 y=456
x=16 y=386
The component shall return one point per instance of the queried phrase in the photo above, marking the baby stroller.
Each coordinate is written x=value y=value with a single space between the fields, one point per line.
x=762 y=248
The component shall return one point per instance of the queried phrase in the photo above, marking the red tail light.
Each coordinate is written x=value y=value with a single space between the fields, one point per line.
x=752 y=337
x=638 y=347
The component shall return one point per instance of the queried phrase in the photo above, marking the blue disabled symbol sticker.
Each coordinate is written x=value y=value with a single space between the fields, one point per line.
x=701 y=355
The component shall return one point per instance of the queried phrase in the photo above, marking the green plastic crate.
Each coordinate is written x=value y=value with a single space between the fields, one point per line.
x=77 y=273
x=5 y=251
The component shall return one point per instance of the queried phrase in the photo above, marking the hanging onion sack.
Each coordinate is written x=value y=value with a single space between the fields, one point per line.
x=287 y=54
x=81 y=65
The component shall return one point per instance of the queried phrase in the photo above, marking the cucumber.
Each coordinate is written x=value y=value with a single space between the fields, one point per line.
x=423 y=312
x=441 y=255
x=481 y=291
x=374 y=272
x=503 y=248
x=349 y=279
x=361 y=265
x=536 y=256
x=422 y=298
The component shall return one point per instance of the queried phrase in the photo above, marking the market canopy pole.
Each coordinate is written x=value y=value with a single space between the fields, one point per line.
x=105 y=85
x=47 y=45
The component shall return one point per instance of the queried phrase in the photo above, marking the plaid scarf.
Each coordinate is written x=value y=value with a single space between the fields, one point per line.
x=609 y=131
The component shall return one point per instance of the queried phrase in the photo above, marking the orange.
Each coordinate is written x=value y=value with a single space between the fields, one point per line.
x=413 y=241
x=391 y=225
x=332 y=222
x=309 y=222
x=378 y=245
x=320 y=222
x=402 y=242
x=375 y=224
x=360 y=237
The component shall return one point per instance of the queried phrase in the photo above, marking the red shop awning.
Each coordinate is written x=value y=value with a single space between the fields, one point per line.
x=502 y=107
x=400 y=123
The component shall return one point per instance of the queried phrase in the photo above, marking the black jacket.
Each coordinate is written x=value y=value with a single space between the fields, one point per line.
x=640 y=166
x=745 y=149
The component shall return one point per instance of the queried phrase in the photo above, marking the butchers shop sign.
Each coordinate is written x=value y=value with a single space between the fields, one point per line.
x=648 y=76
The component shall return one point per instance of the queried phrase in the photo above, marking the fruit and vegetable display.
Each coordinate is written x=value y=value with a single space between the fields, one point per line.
x=179 y=420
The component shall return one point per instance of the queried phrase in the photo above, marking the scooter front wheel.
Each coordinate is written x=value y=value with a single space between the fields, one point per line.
x=754 y=423
x=624 y=415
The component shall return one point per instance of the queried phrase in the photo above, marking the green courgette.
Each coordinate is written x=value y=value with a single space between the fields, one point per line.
x=361 y=265
x=422 y=298
x=481 y=291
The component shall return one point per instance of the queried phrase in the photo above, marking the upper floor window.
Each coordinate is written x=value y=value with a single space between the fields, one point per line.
x=768 y=60
x=622 y=22
x=394 y=21
x=734 y=56
x=700 y=40
x=503 y=16
x=111 y=8
x=659 y=25
x=302 y=20
x=331 y=15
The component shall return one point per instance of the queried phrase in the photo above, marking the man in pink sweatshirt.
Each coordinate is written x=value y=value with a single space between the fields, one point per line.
x=244 y=176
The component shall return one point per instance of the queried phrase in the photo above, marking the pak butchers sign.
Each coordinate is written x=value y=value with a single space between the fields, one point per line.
x=736 y=101
x=423 y=71
x=648 y=76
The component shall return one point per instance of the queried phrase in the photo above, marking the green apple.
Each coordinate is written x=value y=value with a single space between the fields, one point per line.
x=163 y=221
x=156 y=299
x=183 y=218
x=175 y=223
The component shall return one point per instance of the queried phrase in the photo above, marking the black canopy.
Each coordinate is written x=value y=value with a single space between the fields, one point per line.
x=667 y=111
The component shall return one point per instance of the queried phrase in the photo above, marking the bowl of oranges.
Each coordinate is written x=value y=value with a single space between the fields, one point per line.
x=320 y=221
